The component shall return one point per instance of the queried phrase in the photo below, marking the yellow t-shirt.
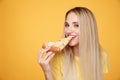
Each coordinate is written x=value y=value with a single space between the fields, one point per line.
x=57 y=65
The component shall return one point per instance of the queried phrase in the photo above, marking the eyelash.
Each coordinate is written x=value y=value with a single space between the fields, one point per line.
x=76 y=25
x=67 y=25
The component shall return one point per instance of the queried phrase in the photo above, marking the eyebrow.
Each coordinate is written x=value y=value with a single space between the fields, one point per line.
x=72 y=22
x=75 y=22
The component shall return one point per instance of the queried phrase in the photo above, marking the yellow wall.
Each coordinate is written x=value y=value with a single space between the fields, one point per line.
x=26 y=24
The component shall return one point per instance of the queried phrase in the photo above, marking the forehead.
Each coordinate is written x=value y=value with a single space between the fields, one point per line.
x=71 y=17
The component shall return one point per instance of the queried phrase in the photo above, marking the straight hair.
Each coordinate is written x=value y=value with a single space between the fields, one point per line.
x=89 y=49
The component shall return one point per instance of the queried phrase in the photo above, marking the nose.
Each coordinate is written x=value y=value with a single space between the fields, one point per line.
x=70 y=29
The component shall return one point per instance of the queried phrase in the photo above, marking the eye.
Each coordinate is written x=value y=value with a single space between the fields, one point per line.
x=76 y=25
x=66 y=24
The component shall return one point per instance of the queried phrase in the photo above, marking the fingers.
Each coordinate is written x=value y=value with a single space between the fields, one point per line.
x=45 y=56
x=42 y=52
x=50 y=57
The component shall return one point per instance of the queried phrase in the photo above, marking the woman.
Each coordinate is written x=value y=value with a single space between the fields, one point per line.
x=83 y=58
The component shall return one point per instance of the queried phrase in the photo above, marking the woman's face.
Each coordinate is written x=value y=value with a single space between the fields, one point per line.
x=72 y=28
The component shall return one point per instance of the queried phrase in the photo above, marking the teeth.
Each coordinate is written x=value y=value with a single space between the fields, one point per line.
x=71 y=36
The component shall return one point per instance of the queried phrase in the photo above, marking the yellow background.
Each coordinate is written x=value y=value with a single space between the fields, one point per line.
x=26 y=24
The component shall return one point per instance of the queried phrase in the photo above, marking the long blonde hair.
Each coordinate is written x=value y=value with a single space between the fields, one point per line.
x=89 y=48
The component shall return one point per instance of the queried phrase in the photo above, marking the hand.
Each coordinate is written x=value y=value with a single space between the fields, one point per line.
x=44 y=60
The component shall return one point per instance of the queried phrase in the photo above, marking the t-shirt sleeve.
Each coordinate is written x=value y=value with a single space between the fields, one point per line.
x=104 y=61
x=56 y=66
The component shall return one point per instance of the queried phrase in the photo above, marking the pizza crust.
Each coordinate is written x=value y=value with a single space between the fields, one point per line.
x=57 y=46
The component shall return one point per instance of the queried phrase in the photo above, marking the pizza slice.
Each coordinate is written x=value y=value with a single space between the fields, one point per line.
x=58 y=45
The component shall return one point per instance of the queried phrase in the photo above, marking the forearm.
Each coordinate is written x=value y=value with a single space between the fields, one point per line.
x=44 y=63
x=48 y=76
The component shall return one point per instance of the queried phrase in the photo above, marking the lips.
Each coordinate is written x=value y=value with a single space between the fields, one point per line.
x=73 y=37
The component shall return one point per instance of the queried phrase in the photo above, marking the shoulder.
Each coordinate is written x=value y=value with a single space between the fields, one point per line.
x=104 y=58
x=103 y=53
x=57 y=60
x=56 y=65
x=58 y=57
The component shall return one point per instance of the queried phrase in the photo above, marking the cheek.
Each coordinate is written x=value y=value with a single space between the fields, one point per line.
x=77 y=32
x=65 y=32
x=74 y=42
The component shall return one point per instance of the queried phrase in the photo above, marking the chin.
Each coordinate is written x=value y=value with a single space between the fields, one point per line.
x=73 y=44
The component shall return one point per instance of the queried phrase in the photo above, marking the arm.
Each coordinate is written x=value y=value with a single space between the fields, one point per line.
x=48 y=75
x=46 y=54
x=44 y=63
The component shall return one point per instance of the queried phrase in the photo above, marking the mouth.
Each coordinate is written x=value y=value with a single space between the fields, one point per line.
x=73 y=37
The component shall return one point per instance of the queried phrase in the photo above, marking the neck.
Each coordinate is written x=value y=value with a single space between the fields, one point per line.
x=76 y=50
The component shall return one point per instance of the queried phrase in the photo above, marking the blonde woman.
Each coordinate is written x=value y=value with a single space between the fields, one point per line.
x=83 y=58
